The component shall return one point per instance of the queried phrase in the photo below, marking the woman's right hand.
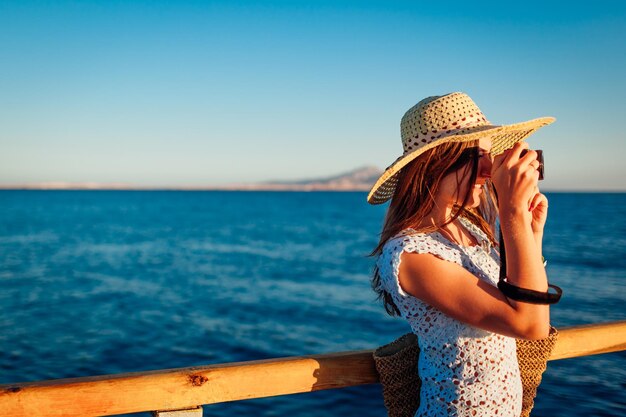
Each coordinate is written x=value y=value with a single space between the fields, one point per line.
x=515 y=180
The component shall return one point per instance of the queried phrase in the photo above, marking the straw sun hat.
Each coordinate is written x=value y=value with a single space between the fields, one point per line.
x=452 y=117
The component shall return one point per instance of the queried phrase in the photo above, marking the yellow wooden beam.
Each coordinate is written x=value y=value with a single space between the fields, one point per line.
x=590 y=339
x=187 y=412
x=171 y=389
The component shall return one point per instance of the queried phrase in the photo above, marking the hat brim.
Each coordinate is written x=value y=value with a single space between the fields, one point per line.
x=502 y=137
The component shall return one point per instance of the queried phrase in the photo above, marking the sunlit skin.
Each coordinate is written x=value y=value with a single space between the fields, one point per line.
x=450 y=194
x=523 y=209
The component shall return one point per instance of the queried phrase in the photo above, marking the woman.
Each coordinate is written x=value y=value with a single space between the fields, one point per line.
x=438 y=260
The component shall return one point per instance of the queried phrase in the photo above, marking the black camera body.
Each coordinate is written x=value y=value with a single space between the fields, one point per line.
x=539 y=158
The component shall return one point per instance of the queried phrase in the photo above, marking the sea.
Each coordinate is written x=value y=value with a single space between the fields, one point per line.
x=106 y=282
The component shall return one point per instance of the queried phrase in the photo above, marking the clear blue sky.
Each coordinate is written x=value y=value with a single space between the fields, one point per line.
x=191 y=93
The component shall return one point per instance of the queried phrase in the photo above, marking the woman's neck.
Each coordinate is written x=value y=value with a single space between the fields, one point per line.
x=455 y=231
x=438 y=216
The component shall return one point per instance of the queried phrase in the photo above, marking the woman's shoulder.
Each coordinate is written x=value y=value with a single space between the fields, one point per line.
x=477 y=231
x=406 y=237
x=411 y=240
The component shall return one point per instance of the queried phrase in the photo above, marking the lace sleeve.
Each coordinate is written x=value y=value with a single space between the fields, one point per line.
x=389 y=262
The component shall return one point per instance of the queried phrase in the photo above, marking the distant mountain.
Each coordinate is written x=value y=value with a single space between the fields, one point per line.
x=360 y=179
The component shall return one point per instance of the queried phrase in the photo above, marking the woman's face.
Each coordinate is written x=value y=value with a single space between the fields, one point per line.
x=453 y=194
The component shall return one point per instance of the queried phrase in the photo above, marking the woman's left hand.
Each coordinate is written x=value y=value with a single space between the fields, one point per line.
x=539 y=209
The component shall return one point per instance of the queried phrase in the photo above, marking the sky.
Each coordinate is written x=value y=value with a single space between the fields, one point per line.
x=193 y=93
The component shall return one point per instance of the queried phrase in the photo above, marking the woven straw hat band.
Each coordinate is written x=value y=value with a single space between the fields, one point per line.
x=449 y=118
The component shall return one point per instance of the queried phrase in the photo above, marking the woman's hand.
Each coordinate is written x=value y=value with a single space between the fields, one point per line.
x=515 y=180
x=539 y=209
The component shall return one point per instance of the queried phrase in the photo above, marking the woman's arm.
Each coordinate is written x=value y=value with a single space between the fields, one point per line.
x=539 y=241
x=461 y=295
x=525 y=268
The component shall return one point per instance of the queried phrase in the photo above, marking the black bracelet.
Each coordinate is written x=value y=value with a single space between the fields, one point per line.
x=530 y=296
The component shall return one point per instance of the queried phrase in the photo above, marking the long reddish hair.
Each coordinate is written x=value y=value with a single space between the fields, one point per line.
x=413 y=199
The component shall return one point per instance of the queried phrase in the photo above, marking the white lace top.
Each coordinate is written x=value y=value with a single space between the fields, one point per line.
x=465 y=371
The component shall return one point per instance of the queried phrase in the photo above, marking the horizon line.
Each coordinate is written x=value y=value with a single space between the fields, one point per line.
x=240 y=187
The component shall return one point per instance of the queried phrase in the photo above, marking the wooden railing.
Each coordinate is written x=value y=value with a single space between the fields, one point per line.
x=188 y=388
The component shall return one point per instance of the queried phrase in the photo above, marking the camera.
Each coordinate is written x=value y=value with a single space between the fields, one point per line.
x=539 y=158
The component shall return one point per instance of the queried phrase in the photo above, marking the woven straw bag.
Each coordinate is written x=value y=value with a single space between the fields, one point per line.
x=532 y=356
x=397 y=362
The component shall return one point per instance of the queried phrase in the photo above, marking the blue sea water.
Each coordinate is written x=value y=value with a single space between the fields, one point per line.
x=101 y=282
